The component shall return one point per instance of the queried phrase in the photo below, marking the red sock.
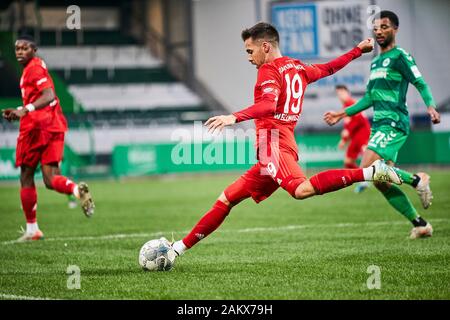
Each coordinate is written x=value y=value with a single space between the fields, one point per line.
x=63 y=185
x=351 y=166
x=210 y=222
x=332 y=180
x=28 y=197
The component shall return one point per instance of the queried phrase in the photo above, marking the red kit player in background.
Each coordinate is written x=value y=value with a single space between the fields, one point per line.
x=356 y=133
x=41 y=137
x=278 y=96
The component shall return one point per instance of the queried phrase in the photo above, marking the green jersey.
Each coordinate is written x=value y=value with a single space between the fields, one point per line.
x=390 y=74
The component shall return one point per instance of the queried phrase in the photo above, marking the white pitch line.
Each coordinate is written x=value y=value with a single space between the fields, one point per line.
x=14 y=297
x=246 y=230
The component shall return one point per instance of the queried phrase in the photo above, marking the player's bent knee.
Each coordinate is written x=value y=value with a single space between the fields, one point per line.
x=300 y=195
x=304 y=190
x=222 y=198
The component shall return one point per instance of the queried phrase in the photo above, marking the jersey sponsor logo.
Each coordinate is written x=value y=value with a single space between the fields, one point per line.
x=380 y=73
x=41 y=81
x=286 y=117
x=267 y=90
x=290 y=66
x=386 y=62
x=416 y=72
x=267 y=82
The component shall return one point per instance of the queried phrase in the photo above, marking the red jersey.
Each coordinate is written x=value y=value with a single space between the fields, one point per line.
x=278 y=96
x=35 y=78
x=357 y=124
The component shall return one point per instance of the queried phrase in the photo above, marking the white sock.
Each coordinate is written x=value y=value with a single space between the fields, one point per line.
x=76 y=192
x=179 y=247
x=32 y=227
x=368 y=173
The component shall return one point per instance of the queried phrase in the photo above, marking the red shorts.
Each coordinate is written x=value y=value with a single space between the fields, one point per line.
x=261 y=180
x=39 y=146
x=356 y=147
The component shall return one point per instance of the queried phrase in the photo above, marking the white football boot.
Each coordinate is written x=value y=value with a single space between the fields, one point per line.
x=423 y=190
x=87 y=203
x=384 y=173
x=421 y=232
x=28 y=236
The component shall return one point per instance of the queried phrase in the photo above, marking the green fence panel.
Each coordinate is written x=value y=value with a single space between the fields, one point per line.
x=315 y=151
x=418 y=148
x=442 y=147
x=69 y=166
x=135 y=160
x=318 y=150
x=8 y=171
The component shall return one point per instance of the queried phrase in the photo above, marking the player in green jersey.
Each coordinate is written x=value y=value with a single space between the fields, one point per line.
x=391 y=72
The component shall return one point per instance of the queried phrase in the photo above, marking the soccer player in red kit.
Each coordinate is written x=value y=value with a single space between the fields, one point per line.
x=279 y=90
x=41 y=137
x=356 y=133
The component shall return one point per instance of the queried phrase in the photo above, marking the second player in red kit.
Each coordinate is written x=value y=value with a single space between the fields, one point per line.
x=41 y=138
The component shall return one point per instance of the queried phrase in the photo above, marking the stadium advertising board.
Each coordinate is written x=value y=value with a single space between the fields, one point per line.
x=316 y=32
x=320 y=30
x=8 y=171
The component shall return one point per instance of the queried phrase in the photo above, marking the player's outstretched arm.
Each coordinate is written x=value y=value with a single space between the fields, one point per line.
x=333 y=117
x=408 y=68
x=366 y=45
x=434 y=115
x=264 y=108
x=427 y=97
x=8 y=114
x=219 y=122
x=44 y=100
x=318 y=71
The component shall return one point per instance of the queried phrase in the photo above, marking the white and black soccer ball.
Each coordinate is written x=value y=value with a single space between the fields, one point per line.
x=157 y=255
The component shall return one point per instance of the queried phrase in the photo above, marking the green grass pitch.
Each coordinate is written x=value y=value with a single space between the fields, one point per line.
x=320 y=248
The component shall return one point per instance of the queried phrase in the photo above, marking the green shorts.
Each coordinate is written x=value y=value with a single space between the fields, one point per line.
x=386 y=141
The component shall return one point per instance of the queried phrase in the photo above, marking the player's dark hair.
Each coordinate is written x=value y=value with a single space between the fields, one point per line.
x=262 y=30
x=391 y=16
x=27 y=37
x=341 y=86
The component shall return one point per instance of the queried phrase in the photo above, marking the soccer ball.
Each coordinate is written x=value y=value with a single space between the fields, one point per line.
x=157 y=255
